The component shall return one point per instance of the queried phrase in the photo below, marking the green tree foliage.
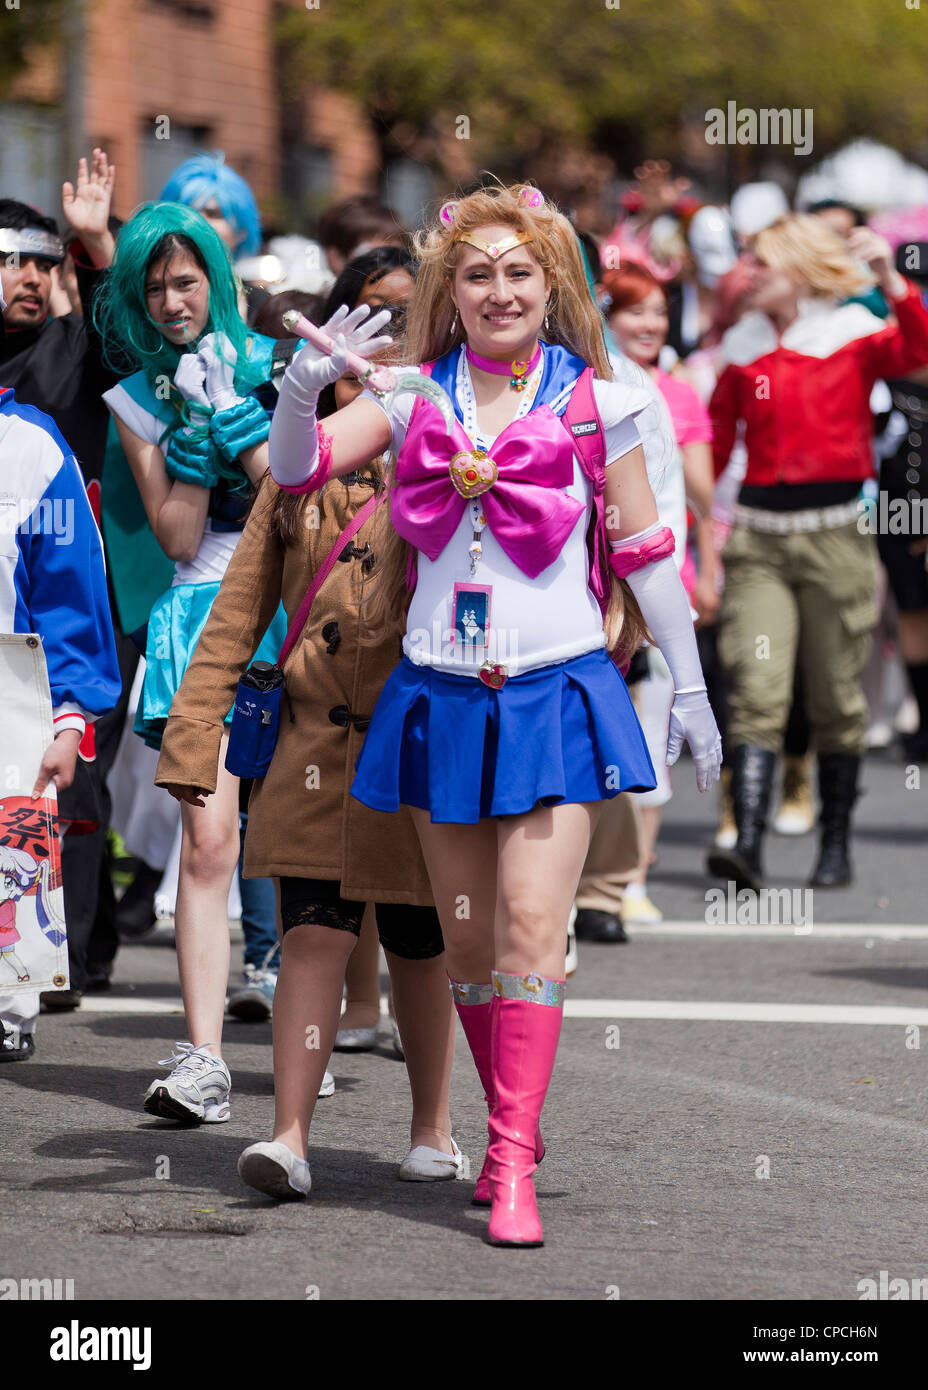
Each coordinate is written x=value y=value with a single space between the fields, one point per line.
x=25 y=25
x=529 y=72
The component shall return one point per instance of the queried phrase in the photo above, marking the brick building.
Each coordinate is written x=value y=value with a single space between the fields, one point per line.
x=153 y=80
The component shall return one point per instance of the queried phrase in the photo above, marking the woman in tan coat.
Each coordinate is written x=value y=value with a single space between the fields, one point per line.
x=331 y=853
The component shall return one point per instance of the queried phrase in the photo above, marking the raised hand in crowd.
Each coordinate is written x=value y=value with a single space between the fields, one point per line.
x=875 y=251
x=86 y=206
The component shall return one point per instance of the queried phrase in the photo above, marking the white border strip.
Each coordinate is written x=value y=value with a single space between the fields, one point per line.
x=109 y=1005
x=679 y=1009
x=884 y=931
x=881 y=931
x=892 y=1015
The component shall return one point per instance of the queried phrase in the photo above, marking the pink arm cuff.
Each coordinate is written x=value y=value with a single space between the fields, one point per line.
x=634 y=557
x=320 y=474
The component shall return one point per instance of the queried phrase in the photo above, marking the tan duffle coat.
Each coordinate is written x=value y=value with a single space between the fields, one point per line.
x=302 y=822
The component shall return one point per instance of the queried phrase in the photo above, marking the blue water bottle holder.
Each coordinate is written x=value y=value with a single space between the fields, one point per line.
x=255 y=720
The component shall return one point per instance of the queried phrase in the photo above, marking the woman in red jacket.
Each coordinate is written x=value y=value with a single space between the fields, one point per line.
x=799 y=568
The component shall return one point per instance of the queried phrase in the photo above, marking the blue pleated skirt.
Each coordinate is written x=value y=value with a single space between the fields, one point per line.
x=174 y=626
x=452 y=746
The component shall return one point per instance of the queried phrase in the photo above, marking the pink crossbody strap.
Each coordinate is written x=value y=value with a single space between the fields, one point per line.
x=351 y=530
x=412 y=568
x=583 y=423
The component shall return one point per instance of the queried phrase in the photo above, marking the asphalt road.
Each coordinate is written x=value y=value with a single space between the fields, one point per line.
x=740 y=1154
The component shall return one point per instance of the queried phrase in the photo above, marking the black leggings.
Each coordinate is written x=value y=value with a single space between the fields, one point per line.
x=412 y=933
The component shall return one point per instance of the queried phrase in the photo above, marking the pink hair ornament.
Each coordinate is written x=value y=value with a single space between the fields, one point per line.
x=532 y=197
x=447 y=213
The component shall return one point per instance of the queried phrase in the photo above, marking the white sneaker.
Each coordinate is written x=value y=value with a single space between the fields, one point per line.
x=197 y=1091
x=255 y=1000
x=423 y=1164
x=328 y=1085
x=274 y=1169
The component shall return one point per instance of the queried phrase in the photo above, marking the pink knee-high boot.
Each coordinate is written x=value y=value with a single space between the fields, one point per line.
x=526 y=1012
x=473 y=1003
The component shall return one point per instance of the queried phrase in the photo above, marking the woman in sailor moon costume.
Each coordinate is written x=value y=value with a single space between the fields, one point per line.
x=506 y=723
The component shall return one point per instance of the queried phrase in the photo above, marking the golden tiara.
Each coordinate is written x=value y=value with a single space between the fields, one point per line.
x=494 y=249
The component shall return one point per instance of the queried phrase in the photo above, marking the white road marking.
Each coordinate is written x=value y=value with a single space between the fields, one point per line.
x=671 y=1009
x=723 y=1012
x=140 y=1005
x=877 y=931
x=882 y=931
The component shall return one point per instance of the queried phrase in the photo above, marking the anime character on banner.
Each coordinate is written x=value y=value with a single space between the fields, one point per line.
x=23 y=877
x=33 y=760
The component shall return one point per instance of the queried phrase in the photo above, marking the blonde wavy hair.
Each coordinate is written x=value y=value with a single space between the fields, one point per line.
x=806 y=247
x=574 y=322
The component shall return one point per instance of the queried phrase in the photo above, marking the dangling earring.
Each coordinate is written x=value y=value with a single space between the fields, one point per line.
x=454 y=322
x=546 y=316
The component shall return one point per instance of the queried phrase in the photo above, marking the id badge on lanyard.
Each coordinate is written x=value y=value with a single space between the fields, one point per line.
x=471 y=616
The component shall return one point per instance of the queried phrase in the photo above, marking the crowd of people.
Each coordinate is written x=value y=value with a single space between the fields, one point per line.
x=402 y=625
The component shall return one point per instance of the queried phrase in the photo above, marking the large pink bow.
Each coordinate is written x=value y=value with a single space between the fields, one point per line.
x=525 y=509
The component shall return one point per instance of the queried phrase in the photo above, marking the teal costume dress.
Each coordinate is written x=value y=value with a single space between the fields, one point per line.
x=178 y=615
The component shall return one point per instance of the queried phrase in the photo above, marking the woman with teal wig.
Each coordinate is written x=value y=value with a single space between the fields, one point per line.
x=195 y=440
x=131 y=336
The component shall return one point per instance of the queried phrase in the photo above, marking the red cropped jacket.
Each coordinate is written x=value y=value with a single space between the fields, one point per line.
x=805 y=397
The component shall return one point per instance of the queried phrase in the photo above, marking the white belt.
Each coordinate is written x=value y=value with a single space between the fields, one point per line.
x=788 y=523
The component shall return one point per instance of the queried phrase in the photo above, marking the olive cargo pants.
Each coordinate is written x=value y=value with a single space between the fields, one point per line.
x=813 y=593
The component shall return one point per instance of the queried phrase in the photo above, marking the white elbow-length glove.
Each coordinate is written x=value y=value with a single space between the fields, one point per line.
x=293 y=442
x=666 y=610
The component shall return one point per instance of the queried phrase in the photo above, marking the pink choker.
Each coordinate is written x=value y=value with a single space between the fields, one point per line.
x=516 y=371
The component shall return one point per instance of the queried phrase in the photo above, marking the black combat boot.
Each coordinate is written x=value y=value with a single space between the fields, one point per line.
x=752 y=772
x=837 y=788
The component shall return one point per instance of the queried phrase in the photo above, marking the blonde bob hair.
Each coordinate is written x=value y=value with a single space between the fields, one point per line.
x=807 y=248
x=574 y=322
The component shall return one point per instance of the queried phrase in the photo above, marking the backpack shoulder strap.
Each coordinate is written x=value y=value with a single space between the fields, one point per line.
x=354 y=525
x=426 y=368
x=584 y=424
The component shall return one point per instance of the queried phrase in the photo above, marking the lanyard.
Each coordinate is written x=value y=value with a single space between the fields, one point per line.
x=464 y=388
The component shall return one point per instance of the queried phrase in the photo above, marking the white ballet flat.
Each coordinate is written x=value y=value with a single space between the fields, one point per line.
x=273 y=1169
x=355 y=1039
x=423 y=1164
